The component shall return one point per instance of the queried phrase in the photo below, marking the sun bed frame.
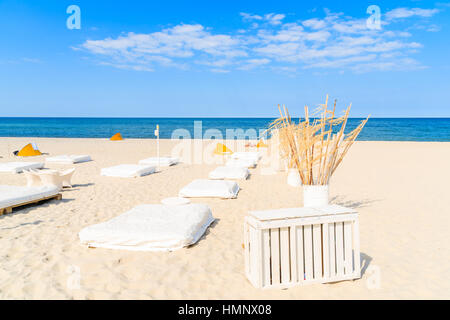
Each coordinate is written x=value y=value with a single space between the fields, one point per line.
x=10 y=208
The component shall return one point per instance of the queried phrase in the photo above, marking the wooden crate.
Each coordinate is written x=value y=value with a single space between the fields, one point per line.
x=298 y=246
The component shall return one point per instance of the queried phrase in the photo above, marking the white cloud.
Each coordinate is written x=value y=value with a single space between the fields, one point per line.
x=219 y=70
x=271 y=18
x=31 y=60
x=248 y=16
x=314 y=23
x=21 y=61
x=400 y=13
x=253 y=63
x=399 y=64
x=333 y=41
x=339 y=63
x=274 y=19
x=434 y=28
x=181 y=41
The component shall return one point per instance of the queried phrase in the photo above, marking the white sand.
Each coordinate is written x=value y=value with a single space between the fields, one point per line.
x=399 y=188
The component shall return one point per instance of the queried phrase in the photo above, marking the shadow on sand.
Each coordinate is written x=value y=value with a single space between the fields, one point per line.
x=203 y=237
x=341 y=201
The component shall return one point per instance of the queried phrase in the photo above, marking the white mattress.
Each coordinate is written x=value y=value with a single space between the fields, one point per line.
x=229 y=173
x=241 y=163
x=128 y=170
x=69 y=159
x=255 y=156
x=18 y=167
x=16 y=195
x=210 y=189
x=163 y=161
x=151 y=227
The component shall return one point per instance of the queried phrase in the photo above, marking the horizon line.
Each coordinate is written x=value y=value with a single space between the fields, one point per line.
x=206 y=117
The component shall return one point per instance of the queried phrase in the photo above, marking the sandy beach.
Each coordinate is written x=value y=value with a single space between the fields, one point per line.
x=400 y=190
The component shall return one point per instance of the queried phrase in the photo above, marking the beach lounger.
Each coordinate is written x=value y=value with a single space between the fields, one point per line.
x=68 y=159
x=210 y=189
x=151 y=227
x=18 y=167
x=255 y=156
x=128 y=170
x=229 y=173
x=162 y=161
x=241 y=163
x=16 y=196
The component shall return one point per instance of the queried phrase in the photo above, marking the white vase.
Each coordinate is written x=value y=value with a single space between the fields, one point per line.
x=315 y=195
x=293 y=178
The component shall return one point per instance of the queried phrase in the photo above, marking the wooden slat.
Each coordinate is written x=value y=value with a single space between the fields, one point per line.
x=300 y=254
x=284 y=255
x=302 y=212
x=247 y=248
x=255 y=264
x=332 y=248
x=303 y=221
x=259 y=257
x=275 y=255
x=339 y=249
x=348 y=256
x=266 y=257
x=293 y=247
x=356 y=253
x=307 y=240
x=325 y=251
x=317 y=251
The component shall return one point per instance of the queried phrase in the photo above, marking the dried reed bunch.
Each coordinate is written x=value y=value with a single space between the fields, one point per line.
x=316 y=145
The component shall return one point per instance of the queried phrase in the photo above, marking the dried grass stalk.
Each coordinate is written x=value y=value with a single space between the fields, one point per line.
x=317 y=145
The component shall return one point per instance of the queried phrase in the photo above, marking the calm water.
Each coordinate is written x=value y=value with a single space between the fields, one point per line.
x=378 y=129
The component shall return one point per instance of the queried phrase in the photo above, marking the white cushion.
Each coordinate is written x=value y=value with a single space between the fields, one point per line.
x=128 y=170
x=162 y=161
x=255 y=156
x=16 y=195
x=210 y=189
x=69 y=159
x=175 y=201
x=229 y=173
x=18 y=167
x=242 y=163
x=151 y=227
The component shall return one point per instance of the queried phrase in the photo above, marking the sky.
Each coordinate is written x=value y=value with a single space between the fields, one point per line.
x=223 y=58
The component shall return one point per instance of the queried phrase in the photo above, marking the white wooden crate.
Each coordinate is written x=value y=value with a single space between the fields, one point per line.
x=298 y=246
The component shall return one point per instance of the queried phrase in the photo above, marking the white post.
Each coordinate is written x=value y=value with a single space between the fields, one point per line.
x=157 y=144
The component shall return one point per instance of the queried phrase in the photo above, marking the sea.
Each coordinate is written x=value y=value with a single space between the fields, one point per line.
x=377 y=129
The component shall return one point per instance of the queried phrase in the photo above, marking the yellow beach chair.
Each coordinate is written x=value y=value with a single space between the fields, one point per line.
x=29 y=151
x=222 y=150
x=116 y=137
x=261 y=144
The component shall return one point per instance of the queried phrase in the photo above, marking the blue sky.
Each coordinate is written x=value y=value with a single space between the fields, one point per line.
x=223 y=58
